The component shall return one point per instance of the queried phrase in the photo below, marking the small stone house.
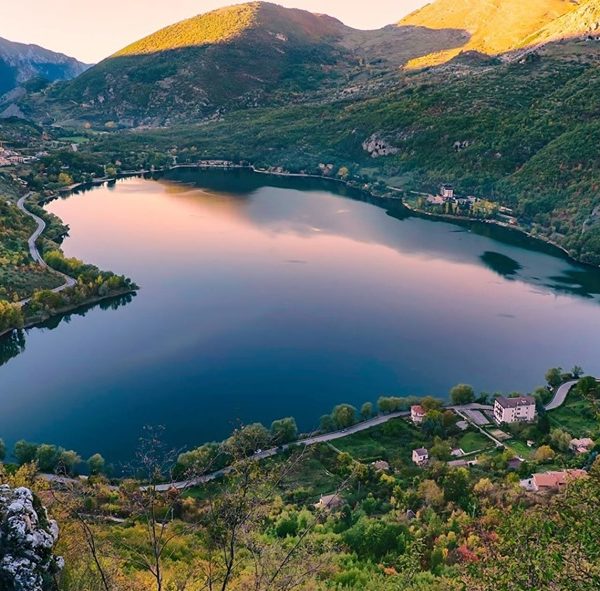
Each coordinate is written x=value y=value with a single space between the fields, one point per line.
x=420 y=456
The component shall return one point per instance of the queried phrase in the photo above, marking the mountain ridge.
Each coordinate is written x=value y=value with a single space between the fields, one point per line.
x=21 y=62
x=495 y=26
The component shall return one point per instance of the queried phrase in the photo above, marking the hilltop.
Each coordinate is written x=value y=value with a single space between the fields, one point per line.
x=241 y=56
x=493 y=27
x=584 y=20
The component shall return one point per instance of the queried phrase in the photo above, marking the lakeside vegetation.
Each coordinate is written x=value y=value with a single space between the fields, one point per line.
x=22 y=278
x=386 y=523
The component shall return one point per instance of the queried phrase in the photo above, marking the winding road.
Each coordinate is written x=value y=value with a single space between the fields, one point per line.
x=560 y=395
x=35 y=253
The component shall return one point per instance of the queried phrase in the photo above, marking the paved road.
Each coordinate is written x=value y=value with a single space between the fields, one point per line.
x=560 y=395
x=379 y=420
x=35 y=253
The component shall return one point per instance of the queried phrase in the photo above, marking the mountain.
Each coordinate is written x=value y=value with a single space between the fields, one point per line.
x=20 y=63
x=493 y=26
x=242 y=55
x=250 y=55
x=584 y=20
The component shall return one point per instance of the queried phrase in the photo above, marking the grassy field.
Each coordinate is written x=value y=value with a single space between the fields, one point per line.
x=521 y=449
x=473 y=441
x=393 y=441
x=576 y=416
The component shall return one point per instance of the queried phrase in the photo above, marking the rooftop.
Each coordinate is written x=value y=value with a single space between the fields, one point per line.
x=505 y=402
x=557 y=479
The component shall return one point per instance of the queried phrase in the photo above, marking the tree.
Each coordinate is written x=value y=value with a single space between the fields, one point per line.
x=431 y=493
x=577 y=372
x=366 y=411
x=11 y=316
x=65 y=179
x=284 y=430
x=554 y=377
x=68 y=460
x=206 y=458
x=462 y=394
x=483 y=487
x=326 y=424
x=96 y=464
x=25 y=452
x=2 y=450
x=560 y=440
x=248 y=440
x=344 y=416
x=433 y=424
x=553 y=545
x=589 y=387
x=544 y=454
x=441 y=450
x=47 y=457
x=430 y=403
x=456 y=486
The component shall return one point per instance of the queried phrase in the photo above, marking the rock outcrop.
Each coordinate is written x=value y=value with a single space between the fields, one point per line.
x=376 y=147
x=27 y=539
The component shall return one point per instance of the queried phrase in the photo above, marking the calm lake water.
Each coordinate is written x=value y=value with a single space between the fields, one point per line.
x=264 y=297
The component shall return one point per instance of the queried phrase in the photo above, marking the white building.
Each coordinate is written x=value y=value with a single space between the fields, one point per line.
x=447 y=192
x=514 y=410
x=420 y=456
x=417 y=414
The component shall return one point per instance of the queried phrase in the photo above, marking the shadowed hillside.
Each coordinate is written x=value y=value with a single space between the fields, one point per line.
x=239 y=56
x=20 y=63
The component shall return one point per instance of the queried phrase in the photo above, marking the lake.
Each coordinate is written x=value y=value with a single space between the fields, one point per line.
x=265 y=297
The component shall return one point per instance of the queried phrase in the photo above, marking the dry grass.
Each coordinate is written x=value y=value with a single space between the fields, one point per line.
x=495 y=26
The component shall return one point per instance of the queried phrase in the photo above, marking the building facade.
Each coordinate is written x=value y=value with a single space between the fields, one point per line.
x=514 y=410
x=420 y=456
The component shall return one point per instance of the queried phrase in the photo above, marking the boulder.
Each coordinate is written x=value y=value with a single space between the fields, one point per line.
x=27 y=539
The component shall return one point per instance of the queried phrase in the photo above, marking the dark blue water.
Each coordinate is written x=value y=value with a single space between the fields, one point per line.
x=266 y=300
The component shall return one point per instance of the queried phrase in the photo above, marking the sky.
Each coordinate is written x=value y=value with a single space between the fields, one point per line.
x=91 y=30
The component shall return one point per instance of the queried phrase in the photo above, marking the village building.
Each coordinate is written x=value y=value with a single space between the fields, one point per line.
x=417 y=414
x=435 y=200
x=581 y=446
x=549 y=482
x=514 y=410
x=420 y=456
x=447 y=192
x=329 y=502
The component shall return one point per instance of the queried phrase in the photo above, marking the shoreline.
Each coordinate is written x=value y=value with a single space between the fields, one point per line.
x=517 y=229
x=38 y=320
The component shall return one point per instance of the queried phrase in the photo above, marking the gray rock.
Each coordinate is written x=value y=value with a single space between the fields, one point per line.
x=27 y=538
x=377 y=147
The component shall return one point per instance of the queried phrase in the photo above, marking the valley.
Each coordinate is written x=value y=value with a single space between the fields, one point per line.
x=279 y=295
